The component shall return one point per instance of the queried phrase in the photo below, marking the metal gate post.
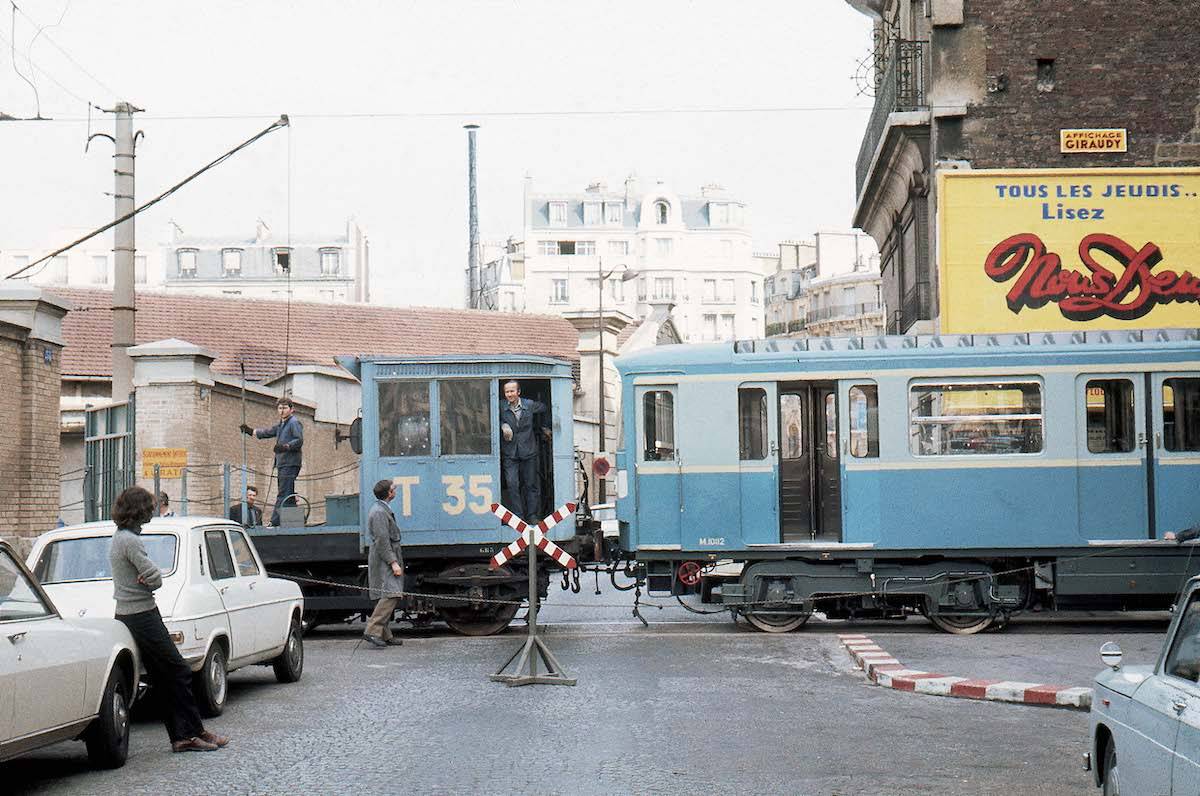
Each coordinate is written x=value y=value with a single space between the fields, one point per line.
x=225 y=488
x=157 y=491
x=183 y=506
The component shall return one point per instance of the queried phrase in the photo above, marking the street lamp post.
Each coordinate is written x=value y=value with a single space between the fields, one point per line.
x=601 y=279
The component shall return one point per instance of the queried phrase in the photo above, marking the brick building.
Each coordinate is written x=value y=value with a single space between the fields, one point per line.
x=973 y=85
x=187 y=377
x=30 y=357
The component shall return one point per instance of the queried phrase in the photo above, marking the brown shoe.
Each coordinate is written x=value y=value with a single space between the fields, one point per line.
x=193 y=745
x=212 y=737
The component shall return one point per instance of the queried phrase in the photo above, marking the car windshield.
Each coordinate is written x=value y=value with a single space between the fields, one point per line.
x=87 y=558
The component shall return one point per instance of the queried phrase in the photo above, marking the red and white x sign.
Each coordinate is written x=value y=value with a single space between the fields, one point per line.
x=533 y=534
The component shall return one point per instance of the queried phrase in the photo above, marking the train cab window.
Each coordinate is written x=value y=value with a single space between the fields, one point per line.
x=465 y=417
x=864 y=421
x=975 y=418
x=658 y=408
x=1110 y=419
x=752 y=423
x=404 y=418
x=1181 y=414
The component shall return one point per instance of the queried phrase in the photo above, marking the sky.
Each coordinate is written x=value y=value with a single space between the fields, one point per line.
x=565 y=92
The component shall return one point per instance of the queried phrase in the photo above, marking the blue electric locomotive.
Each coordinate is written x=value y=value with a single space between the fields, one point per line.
x=962 y=477
x=430 y=425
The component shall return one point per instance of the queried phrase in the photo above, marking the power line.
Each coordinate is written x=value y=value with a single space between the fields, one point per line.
x=384 y=115
x=58 y=47
x=37 y=69
x=282 y=122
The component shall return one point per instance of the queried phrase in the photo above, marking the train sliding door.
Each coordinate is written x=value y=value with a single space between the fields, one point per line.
x=1175 y=403
x=1115 y=481
x=659 y=476
x=810 y=499
x=758 y=464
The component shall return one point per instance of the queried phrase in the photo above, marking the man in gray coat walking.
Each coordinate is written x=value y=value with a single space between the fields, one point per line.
x=385 y=566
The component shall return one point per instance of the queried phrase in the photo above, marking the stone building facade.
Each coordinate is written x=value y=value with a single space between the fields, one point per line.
x=30 y=360
x=969 y=85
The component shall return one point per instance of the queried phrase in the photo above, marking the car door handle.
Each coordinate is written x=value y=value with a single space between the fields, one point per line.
x=253 y=583
x=1179 y=705
x=223 y=589
x=15 y=637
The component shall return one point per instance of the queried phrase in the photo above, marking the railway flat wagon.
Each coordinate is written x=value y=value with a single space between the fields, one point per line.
x=431 y=426
x=966 y=478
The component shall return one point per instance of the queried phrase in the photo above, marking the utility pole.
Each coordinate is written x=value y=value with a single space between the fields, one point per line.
x=473 y=287
x=124 y=303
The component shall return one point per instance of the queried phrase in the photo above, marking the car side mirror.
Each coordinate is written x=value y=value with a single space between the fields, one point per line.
x=1110 y=653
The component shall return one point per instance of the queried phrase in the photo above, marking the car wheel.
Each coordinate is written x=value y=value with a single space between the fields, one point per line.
x=1112 y=776
x=211 y=683
x=290 y=663
x=107 y=737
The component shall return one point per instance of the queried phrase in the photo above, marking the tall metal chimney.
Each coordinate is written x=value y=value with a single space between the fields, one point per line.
x=473 y=286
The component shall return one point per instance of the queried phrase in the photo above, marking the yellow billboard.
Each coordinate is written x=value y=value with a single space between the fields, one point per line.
x=1058 y=249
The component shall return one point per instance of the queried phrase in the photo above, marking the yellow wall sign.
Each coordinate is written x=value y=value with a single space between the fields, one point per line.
x=170 y=461
x=1091 y=141
x=1056 y=249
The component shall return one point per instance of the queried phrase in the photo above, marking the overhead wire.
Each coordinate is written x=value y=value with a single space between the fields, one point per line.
x=60 y=48
x=37 y=99
x=282 y=122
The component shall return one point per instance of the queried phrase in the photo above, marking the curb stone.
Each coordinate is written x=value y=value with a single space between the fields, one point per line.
x=885 y=670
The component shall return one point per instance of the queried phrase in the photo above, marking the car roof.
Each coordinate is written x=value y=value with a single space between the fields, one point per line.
x=175 y=525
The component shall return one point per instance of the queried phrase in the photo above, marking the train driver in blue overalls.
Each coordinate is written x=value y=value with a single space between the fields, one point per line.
x=520 y=419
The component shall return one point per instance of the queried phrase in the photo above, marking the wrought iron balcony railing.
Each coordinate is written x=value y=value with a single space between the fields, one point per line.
x=900 y=86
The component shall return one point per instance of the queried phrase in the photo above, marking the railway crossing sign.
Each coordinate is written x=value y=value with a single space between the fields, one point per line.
x=533 y=538
x=533 y=535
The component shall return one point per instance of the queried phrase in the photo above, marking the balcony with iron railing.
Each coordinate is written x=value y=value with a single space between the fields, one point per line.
x=899 y=87
x=843 y=311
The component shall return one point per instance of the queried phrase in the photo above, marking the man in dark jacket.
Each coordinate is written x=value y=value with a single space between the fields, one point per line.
x=289 y=439
x=385 y=566
x=255 y=513
x=520 y=419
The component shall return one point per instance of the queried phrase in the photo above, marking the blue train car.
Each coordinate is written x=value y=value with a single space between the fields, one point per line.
x=963 y=477
x=431 y=426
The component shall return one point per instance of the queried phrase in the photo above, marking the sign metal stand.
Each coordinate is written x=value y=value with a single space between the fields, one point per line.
x=532 y=538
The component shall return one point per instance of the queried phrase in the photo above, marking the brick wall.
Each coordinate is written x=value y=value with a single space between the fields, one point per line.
x=29 y=455
x=1133 y=64
x=204 y=419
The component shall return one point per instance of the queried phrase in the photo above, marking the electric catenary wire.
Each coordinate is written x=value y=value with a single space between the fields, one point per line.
x=282 y=122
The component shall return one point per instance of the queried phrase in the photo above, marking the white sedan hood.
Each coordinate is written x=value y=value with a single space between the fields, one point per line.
x=94 y=598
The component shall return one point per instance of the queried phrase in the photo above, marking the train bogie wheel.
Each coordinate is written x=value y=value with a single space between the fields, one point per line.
x=777 y=623
x=961 y=625
x=487 y=617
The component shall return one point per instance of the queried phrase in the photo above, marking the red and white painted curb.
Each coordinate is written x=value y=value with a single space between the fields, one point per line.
x=885 y=670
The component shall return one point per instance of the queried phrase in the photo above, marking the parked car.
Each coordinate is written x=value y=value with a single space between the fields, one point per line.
x=217 y=601
x=1145 y=720
x=60 y=677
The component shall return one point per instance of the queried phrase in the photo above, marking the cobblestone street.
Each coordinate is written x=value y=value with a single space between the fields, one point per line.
x=702 y=706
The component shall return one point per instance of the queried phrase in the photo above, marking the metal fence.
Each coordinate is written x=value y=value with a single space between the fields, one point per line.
x=901 y=87
x=838 y=311
x=110 y=455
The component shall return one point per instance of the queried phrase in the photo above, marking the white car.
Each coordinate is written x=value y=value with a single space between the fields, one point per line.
x=60 y=678
x=1145 y=720
x=217 y=601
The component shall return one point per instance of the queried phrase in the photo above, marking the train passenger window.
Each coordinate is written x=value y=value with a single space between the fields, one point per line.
x=975 y=418
x=752 y=423
x=791 y=423
x=658 y=410
x=465 y=409
x=1110 y=421
x=864 y=421
x=404 y=418
x=1181 y=414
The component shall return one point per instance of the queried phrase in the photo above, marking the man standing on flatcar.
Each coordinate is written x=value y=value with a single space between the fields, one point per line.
x=385 y=566
x=289 y=439
x=519 y=419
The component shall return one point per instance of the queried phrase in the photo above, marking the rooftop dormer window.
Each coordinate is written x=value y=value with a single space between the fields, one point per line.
x=558 y=213
x=231 y=262
x=331 y=262
x=283 y=260
x=186 y=258
x=662 y=211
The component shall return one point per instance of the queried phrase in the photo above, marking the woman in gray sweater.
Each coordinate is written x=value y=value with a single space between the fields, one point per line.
x=135 y=577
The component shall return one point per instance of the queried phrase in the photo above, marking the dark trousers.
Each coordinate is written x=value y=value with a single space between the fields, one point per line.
x=169 y=675
x=524 y=487
x=287 y=487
